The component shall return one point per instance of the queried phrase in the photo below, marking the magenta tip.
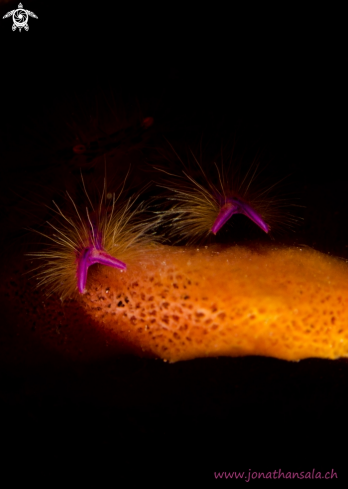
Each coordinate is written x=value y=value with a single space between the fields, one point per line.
x=90 y=256
x=235 y=206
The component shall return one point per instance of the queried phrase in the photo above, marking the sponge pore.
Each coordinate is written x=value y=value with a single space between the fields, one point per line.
x=179 y=303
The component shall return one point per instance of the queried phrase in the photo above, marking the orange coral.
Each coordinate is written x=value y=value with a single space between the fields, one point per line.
x=182 y=303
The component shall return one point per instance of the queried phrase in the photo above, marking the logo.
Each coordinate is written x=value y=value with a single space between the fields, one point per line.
x=20 y=18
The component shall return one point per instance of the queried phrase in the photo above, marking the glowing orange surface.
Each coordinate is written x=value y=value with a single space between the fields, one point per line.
x=182 y=303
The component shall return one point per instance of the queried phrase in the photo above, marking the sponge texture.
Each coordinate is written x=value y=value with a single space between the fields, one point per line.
x=179 y=303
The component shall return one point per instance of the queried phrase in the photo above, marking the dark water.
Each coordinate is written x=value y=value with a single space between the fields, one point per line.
x=193 y=418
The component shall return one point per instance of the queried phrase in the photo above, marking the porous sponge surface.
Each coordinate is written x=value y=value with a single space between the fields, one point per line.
x=182 y=303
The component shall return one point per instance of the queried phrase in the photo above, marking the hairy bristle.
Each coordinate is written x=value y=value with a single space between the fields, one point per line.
x=195 y=202
x=120 y=229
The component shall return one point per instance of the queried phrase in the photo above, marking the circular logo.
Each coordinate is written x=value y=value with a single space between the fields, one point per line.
x=20 y=17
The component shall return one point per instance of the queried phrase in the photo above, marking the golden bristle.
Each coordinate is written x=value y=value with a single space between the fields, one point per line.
x=126 y=230
x=194 y=201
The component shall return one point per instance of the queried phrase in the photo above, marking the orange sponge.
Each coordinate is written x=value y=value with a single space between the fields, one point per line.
x=179 y=303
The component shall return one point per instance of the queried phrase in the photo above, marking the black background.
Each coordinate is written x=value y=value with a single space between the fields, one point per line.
x=196 y=70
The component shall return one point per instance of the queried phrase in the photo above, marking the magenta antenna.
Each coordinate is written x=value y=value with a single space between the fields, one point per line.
x=94 y=254
x=90 y=256
x=235 y=206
